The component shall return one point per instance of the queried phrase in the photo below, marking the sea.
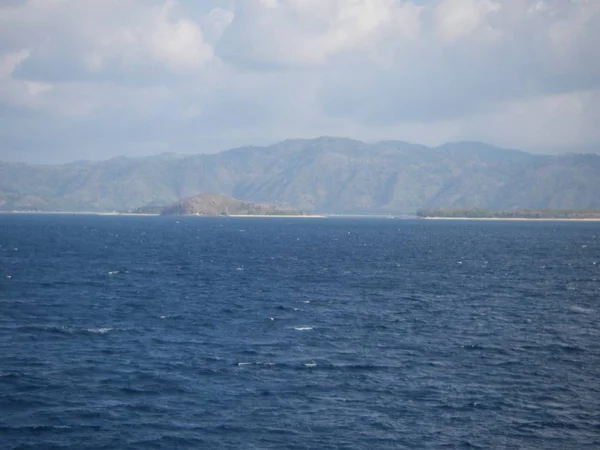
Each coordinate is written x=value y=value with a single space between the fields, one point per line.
x=286 y=333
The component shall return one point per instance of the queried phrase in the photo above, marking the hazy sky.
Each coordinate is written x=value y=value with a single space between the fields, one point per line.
x=92 y=79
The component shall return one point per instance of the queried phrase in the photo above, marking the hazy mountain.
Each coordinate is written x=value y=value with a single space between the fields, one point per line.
x=323 y=175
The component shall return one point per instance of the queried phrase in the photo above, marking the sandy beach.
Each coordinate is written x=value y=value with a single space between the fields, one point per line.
x=280 y=216
x=590 y=219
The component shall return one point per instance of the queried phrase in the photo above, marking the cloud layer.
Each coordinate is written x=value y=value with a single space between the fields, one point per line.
x=94 y=79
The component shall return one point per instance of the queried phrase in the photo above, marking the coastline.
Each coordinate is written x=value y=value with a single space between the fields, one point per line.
x=89 y=213
x=114 y=213
x=314 y=216
x=531 y=219
x=279 y=216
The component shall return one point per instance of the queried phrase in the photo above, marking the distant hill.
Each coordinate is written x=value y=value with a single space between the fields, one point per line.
x=222 y=205
x=332 y=175
x=508 y=214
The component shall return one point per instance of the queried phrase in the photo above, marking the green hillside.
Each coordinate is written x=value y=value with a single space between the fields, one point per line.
x=333 y=175
x=222 y=205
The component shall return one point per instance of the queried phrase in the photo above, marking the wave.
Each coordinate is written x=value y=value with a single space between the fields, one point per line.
x=12 y=375
x=64 y=329
x=58 y=329
x=38 y=428
x=99 y=330
x=169 y=316
x=256 y=363
x=581 y=309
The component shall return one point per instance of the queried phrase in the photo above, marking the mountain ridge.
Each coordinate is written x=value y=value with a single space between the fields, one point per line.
x=325 y=174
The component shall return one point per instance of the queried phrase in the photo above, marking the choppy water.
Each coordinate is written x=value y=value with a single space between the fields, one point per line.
x=147 y=332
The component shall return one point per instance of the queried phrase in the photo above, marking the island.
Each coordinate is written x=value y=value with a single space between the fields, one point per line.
x=509 y=214
x=222 y=205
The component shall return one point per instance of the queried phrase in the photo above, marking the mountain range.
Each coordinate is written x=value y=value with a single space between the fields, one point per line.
x=325 y=175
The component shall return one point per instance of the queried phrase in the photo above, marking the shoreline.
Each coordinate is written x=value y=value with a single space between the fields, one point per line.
x=532 y=219
x=276 y=216
x=314 y=216
x=89 y=213
x=114 y=213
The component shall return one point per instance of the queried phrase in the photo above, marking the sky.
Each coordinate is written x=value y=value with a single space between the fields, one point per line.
x=96 y=79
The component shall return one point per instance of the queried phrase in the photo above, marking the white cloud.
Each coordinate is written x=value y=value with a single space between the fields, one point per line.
x=538 y=7
x=10 y=61
x=524 y=73
x=312 y=32
x=176 y=43
x=218 y=21
x=458 y=18
x=547 y=122
x=16 y=92
x=107 y=36
x=36 y=89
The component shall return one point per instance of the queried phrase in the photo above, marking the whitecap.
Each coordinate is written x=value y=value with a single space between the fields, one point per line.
x=581 y=309
x=9 y=276
x=259 y=363
x=113 y=272
x=99 y=330
x=303 y=328
x=312 y=364
x=169 y=316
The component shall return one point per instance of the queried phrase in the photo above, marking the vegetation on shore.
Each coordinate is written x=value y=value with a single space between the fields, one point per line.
x=221 y=205
x=509 y=213
x=148 y=210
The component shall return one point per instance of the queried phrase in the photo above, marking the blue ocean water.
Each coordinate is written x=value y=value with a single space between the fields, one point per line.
x=152 y=332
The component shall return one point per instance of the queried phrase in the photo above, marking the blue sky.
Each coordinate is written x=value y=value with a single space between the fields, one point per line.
x=99 y=78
